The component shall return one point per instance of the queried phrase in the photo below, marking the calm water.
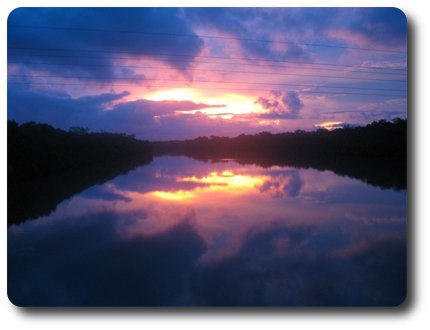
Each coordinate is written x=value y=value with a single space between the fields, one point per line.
x=188 y=233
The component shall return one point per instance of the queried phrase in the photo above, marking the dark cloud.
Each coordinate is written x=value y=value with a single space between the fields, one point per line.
x=286 y=105
x=95 y=112
x=380 y=26
x=301 y=28
x=250 y=26
x=88 y=50
x=57 y=108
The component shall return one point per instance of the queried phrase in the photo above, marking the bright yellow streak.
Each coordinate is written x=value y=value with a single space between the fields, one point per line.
x=179 y=195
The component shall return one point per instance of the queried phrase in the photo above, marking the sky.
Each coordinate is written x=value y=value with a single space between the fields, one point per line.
x=178 y=73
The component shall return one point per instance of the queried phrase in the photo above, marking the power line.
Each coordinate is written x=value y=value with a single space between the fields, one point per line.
x=203 y=37
x=200 y=62
x=203 y=81
x=143 y=52
x=340 y=77
x=209 y=87
x=163 y=68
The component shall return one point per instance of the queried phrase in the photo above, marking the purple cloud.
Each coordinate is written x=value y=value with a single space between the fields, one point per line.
x=286 y=105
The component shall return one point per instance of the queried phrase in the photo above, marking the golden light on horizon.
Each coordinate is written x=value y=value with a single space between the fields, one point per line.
x=330 y=125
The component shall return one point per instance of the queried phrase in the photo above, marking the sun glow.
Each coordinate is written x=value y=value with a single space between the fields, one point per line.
x=233 y=104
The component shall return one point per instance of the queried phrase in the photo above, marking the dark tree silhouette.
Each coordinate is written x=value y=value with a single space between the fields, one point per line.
x=47 y=165
x=39 y=150
x=375 y=153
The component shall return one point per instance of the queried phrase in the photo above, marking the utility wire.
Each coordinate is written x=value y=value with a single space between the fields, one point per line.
x=339 y=77
x=158 y=34
x=203 y=81
x=205 y=87
x=143 y=52
x=200 y=62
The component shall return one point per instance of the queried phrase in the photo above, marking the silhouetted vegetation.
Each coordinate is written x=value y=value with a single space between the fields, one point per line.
x=48 y=165
x=375 y=153
x=36 y=198
x=39 y=150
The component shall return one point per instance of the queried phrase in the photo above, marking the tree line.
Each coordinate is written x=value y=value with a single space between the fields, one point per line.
x=47 y=165
x=39 y=150
x=375 y=153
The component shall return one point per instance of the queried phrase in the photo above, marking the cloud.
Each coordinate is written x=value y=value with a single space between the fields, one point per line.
x=97 y=112
x=299 y=34
x=380 y=26
x=252 y=25
x=147 y=119
x=88 y=41
x=286 y=105
x=58 y=109
x=163 y=107
x=175 y=32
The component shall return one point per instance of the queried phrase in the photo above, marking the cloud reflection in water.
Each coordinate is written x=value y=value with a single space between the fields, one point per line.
x=242 y=235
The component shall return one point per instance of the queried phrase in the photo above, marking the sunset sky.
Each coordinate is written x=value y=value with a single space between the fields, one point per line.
x=175 y=73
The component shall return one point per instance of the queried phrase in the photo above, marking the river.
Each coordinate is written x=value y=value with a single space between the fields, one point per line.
x=182 y=232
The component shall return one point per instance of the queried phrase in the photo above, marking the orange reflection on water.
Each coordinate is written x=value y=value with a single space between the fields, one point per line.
x=225 y=181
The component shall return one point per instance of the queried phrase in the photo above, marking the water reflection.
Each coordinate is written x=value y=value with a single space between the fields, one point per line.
x=183 y=232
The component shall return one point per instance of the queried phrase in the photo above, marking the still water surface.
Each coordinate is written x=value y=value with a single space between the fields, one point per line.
x=180 y=232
